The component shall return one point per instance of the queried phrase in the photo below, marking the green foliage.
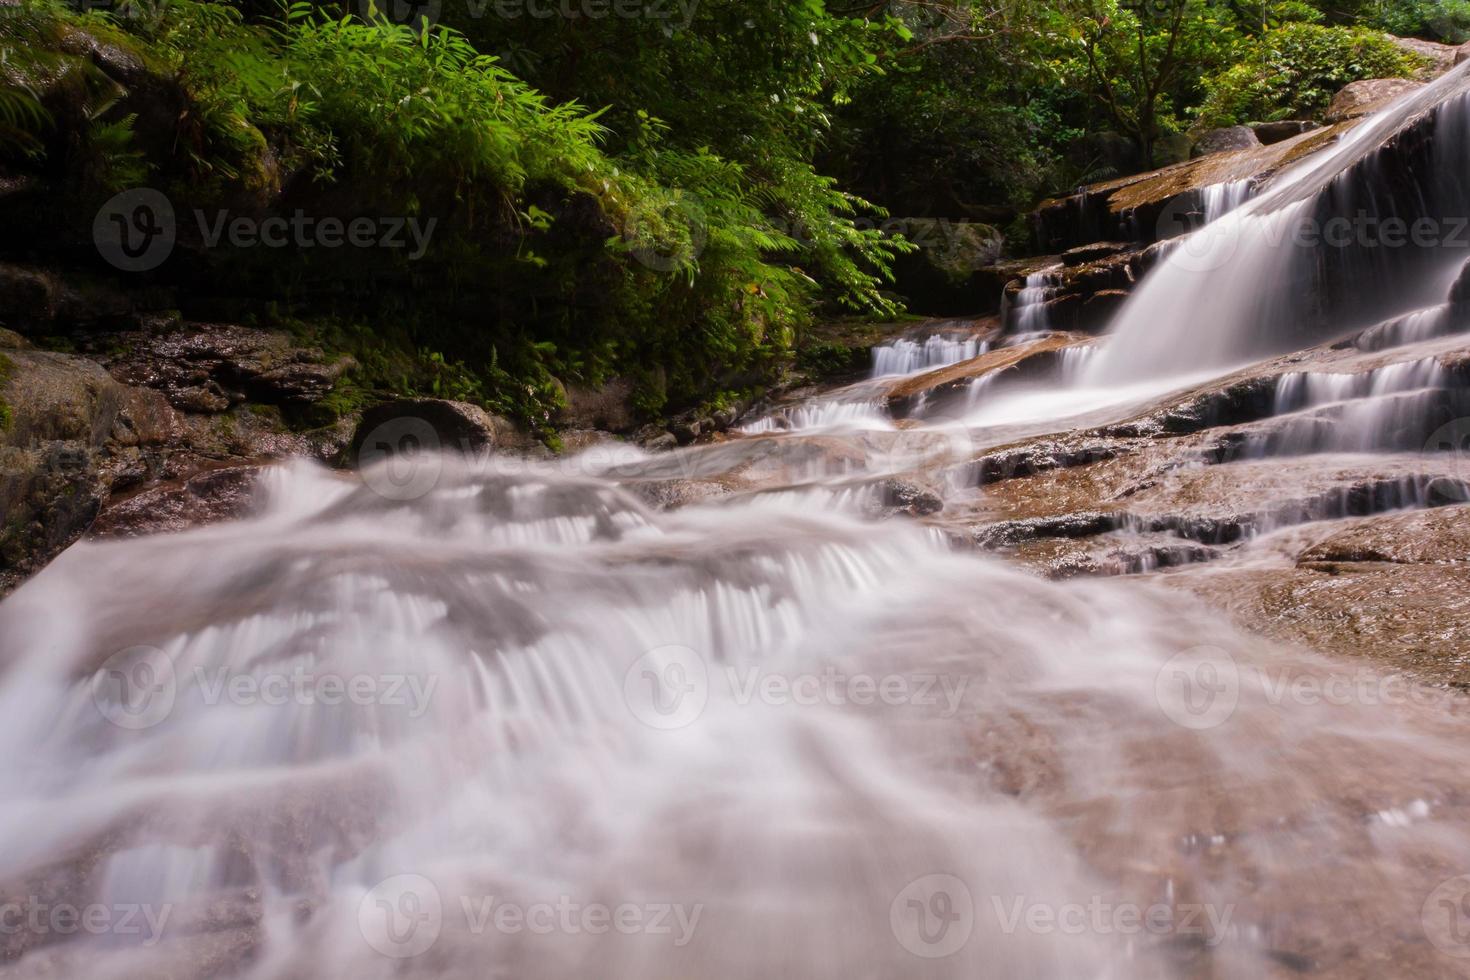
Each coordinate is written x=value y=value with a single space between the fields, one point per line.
x=1293 y=72
x=1437 y=20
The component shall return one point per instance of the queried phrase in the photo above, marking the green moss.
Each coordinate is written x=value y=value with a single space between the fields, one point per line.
x=7 y=371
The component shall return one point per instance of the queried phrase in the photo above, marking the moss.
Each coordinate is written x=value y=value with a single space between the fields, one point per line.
x=7 y=371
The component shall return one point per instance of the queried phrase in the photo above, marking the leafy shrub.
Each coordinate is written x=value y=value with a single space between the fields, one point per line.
x=1294 y=71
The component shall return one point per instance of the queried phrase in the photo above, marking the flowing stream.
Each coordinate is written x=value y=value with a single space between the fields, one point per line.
x=482 y=716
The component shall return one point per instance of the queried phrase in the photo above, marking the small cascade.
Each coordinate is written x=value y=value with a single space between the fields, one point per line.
x=1389 y=408
x=1026 y=313
x=909 y=356
x=1220 y=199
x=830 y=414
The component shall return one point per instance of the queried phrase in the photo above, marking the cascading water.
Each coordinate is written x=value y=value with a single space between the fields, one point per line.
x=1026 y=312
x=523 y=723
x=1249 y=284
x=906 y=356
x=515 y=721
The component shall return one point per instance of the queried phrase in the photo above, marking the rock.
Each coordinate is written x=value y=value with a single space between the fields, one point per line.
x=70 y=433
x=214 y=495
x=1226 y=139
x=35 y=300
x=609 y=407
x=206 y=367
x=686 y=432
x=655 y=438
x=1460 y=291
x=1022 y=359
x=1091 y=253
x=903 y=497
x=1284 y=129
x=943 y=277
x=1462 y=53
x=1358 y=99
x=435 y=424
x=1143 y=208
x=1440 y=57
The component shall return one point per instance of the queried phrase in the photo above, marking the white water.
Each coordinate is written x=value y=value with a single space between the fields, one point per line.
x=660 y=715
x=1237 y=288
x=909 y=356
x=1026 y=314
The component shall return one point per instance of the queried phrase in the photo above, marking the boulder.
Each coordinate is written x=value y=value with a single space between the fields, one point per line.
x=608 y=407
x=944 y=277
x=207 y=368
x=1282 y=129
x=1358 y=99
x=69 y=434
x=1439 y=58
x=1226 y=139
x=435 y=424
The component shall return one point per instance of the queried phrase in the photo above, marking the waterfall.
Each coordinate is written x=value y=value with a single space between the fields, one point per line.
x=1026 y=313
x=1253 y=281
x=907 y=355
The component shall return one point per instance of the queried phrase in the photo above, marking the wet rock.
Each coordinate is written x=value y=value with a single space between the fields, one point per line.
x=209 y=367
x=1148 y=207
x=655 y=438
x=1283 y=129
x=70 y=433
x=608 y=407
x=903 y=497
x=1358 y=99
x=1083 y=254
x=208 y=497
x=686 y=432
x=1225 y=140
x=434 y=424
x=1020 y=360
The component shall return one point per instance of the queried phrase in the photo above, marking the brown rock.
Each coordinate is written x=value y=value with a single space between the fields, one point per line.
x=1225 y=140
x=1358 y=99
